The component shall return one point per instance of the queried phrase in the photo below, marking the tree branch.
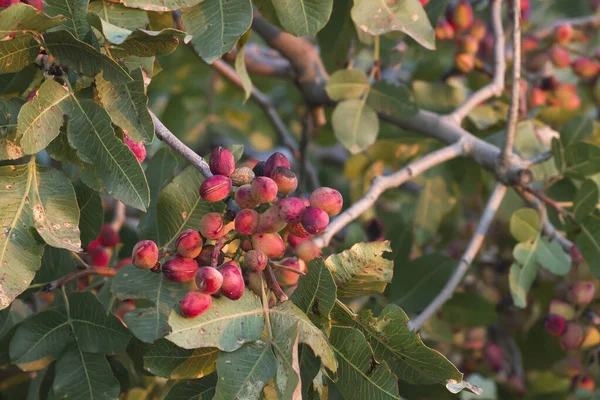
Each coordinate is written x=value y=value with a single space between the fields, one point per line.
x=286 y=137
x=164 y=134
x=382 y=183
x=56 y=284
x=494 y=88
x=513 y=112
x=263 y=61
x=584 y=23
x=470 y=252
x=119 y=215
x=539 y=158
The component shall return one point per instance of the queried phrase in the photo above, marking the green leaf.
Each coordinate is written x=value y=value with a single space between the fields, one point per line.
x=437 y=96
x=33 y=196
x=56 y=263
x=381 y=17
x=433 y=204
x=199 y=389
x=522 y=273
x=83 y=321
x=287 y=379
x=525 y=224
x=552 y=257
x=240 y=68
x=469 y=310
x=347 y=84
x=303 y=17
x=22 y=17
x=226 y=325
x=286 y=315
x=416 y=283
x=180 y=206
x=127 y=106
x=9 y=110
x=165 y=359
x=83 y=58
x=402 y=349
x=359 y=375
x=40 y=120
x=83 y=376
x=355 y=124
x=244 y=372
x=558 y=154
x=91 y=133
x=316 y=291
x=149 y=323
x=361 y=270
x=141 y=42
x=216 y=25
x=588 y=242
x=585 y=200
x=75 y=12
x=17 y=53
x=336 y=37
x=582 y=159
x=391 y=99
x=576 y=130
x=160 y=172
x=91 y=212
x=159 y=5
x=119 y=15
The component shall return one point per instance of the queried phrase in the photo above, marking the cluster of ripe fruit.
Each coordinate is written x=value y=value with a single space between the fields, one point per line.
x=267 y=223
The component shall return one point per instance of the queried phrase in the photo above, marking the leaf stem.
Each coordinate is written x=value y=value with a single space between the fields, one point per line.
x=272 y=283
x=265 y=302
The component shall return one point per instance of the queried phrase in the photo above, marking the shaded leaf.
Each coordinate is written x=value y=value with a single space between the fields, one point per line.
x=240 y=67
x=588 y=242
x=347 y=84
x=56 y=263
x=119 y=15
x=416 y=283
x=22 y=17
x=17 y=53
x=159 y=5
x=84 y=376
x=226 y=325
x=147 y=323
x=558 y=154
x=582 y=159
x=391 y=99
x=303 y=17
x=216 y=25
x=40 y=120
x=585 y=200
x=433 y=204
x=244 y=372
x=9 y=110
x=165 y=359
x=127 y=106
x=160 y=172
x=525 y=224
x=522 y=273
x=179 y=206
x=469 y=310
x=355 y=124
x=316 y=291
x=576 y=130
x=199 y=389
x=82 y=57
x=286 y=315
x=403 y=350
x=359 y=375
x=361 y=270
x=381 y=17
x=75 y=12
x=43 y=337
x=551 y=256
x=90 y=132
x=91 y=212
x=33 y=197
x=287 y=379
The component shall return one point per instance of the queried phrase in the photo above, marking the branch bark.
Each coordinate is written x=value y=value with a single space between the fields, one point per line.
x=382 y=183
x=164 y=134
x=494 y=88
x=471 y=251
x=56 y=284
x=513 y=111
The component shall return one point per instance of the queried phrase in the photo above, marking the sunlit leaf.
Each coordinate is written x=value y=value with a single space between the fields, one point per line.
x=303 y=17
x=316 y=291
x=525 y=224
x=17 y=53
x=9 y=110
x=165 y=359
x=21 y=17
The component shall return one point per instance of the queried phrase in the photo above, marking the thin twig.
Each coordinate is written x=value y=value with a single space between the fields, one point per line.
x=584 y=23
x=495 y=87
x=286 y=137
x=382 y=183
x=549 y=201
x=470 y=252
x=272 y=283
x=119 y=215
x=164 y=134
x=539 y=158
x=286 y=268
x=515 y=94
x=218 y=246
x=55 y=284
